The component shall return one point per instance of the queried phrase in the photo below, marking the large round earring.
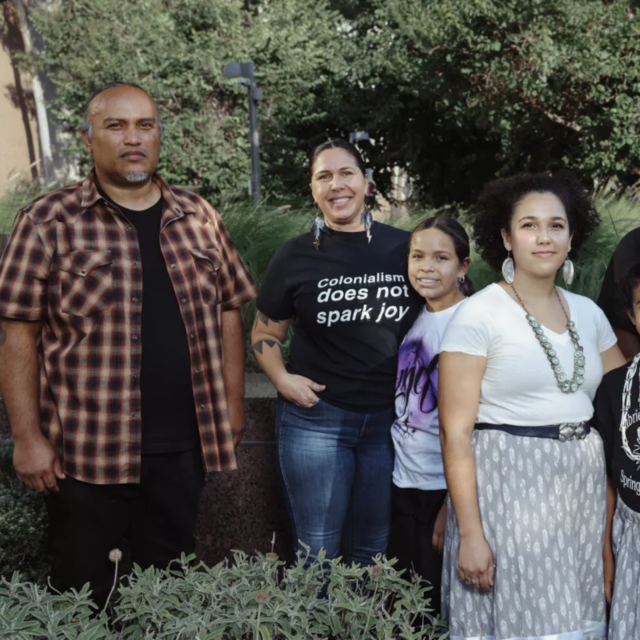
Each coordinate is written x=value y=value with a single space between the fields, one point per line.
x=508 y=269
x=316 y=227
x=568 y=271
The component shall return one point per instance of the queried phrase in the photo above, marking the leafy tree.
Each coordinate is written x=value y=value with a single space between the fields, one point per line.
x=177 y=49
x=466 y=90
x=455 y=91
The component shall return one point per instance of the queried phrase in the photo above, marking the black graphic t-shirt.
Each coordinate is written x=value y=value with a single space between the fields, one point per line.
x=351 y=305
x=622 y=449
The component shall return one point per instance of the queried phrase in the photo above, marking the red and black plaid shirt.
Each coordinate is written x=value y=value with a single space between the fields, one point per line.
x=73 y=264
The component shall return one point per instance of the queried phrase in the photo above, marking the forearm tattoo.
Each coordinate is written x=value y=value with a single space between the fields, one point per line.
x=258 y=347
x=3 y=335
x=260 y=317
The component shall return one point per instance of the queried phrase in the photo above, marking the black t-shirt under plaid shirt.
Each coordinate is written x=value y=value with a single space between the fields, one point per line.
x=169 y=419
x=73 y=264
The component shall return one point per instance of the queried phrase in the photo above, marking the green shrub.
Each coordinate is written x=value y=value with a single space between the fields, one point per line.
x=23 y=523
x=249 y=598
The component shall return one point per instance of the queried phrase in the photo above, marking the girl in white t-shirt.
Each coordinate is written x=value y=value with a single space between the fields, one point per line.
x=438 y=263
x=519 y=367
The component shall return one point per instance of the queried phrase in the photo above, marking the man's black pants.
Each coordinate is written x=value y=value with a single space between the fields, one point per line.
x=156 y=517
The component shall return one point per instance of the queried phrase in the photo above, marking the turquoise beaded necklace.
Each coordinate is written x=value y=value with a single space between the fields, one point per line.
x=566 y=385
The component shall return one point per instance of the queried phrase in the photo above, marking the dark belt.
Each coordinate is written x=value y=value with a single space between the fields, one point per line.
x=562 y=432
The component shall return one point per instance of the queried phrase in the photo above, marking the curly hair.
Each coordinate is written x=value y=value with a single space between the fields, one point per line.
x=499 y=198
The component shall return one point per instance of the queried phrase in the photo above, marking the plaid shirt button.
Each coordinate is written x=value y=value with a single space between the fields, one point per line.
x=83 y=361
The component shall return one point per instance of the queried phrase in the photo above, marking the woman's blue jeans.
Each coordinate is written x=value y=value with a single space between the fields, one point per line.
x=336 y=468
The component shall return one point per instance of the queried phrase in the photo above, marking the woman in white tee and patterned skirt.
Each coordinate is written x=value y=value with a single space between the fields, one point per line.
x=520 y=364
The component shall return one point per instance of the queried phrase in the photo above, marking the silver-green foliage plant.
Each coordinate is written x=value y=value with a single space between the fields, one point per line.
x=249 y=598
x=259 y=597
x=29 y=611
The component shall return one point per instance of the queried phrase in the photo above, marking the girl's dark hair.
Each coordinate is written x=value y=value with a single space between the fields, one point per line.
x=336 y=143
x=628 y=285
x=499 y=198
x=458 y=236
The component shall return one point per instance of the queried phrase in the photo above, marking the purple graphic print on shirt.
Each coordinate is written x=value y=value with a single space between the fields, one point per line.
x=416 y=386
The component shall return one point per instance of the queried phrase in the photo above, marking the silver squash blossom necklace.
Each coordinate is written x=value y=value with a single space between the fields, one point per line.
x=566 y=385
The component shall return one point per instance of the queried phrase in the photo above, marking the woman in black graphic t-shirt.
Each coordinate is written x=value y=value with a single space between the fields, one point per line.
x=344 y=287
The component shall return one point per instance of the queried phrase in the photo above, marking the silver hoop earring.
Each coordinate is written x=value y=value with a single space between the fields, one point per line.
x=461 y=280
x=508 y=269
x=568 y=271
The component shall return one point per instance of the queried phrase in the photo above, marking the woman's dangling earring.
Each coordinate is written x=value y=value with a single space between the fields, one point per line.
x=508 y=269
x=367 y=221
x=316 y=227
x=568 y=271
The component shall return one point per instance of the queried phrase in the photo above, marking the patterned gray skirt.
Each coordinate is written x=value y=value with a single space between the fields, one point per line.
x=543 y=508
x=625 y=608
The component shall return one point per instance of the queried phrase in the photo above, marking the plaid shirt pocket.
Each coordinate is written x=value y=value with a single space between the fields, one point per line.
x=86 y=283
x=207 y=265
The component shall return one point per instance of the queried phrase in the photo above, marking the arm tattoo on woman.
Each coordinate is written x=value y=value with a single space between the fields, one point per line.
x=258 y=347
x=260 y=317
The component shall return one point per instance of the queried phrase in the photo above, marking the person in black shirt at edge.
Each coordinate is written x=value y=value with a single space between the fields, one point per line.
x=345 y=289
x=617 y=413
x=626 y=255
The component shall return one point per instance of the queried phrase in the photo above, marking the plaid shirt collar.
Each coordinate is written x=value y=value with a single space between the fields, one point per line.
x=173 y=209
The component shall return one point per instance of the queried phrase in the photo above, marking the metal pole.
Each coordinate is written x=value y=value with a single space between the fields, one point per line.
x=254 y=138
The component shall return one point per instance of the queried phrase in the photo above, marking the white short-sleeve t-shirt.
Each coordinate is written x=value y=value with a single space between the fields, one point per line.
x=519 y=386
x=416 y=430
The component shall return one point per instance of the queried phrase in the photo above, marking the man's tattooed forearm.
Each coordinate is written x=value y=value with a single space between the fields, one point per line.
x=258 y=347
x=260 y=317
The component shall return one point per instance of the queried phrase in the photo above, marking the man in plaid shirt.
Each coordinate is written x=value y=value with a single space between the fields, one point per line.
x=121 y=349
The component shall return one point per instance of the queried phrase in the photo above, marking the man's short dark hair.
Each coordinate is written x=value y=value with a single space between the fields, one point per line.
x=628 y=285
x=86 y=120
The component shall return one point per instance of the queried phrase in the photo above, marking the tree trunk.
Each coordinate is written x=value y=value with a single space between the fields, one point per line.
x=38 y=96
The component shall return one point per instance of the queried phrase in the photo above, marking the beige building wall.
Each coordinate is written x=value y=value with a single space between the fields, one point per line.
x=19 y=152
